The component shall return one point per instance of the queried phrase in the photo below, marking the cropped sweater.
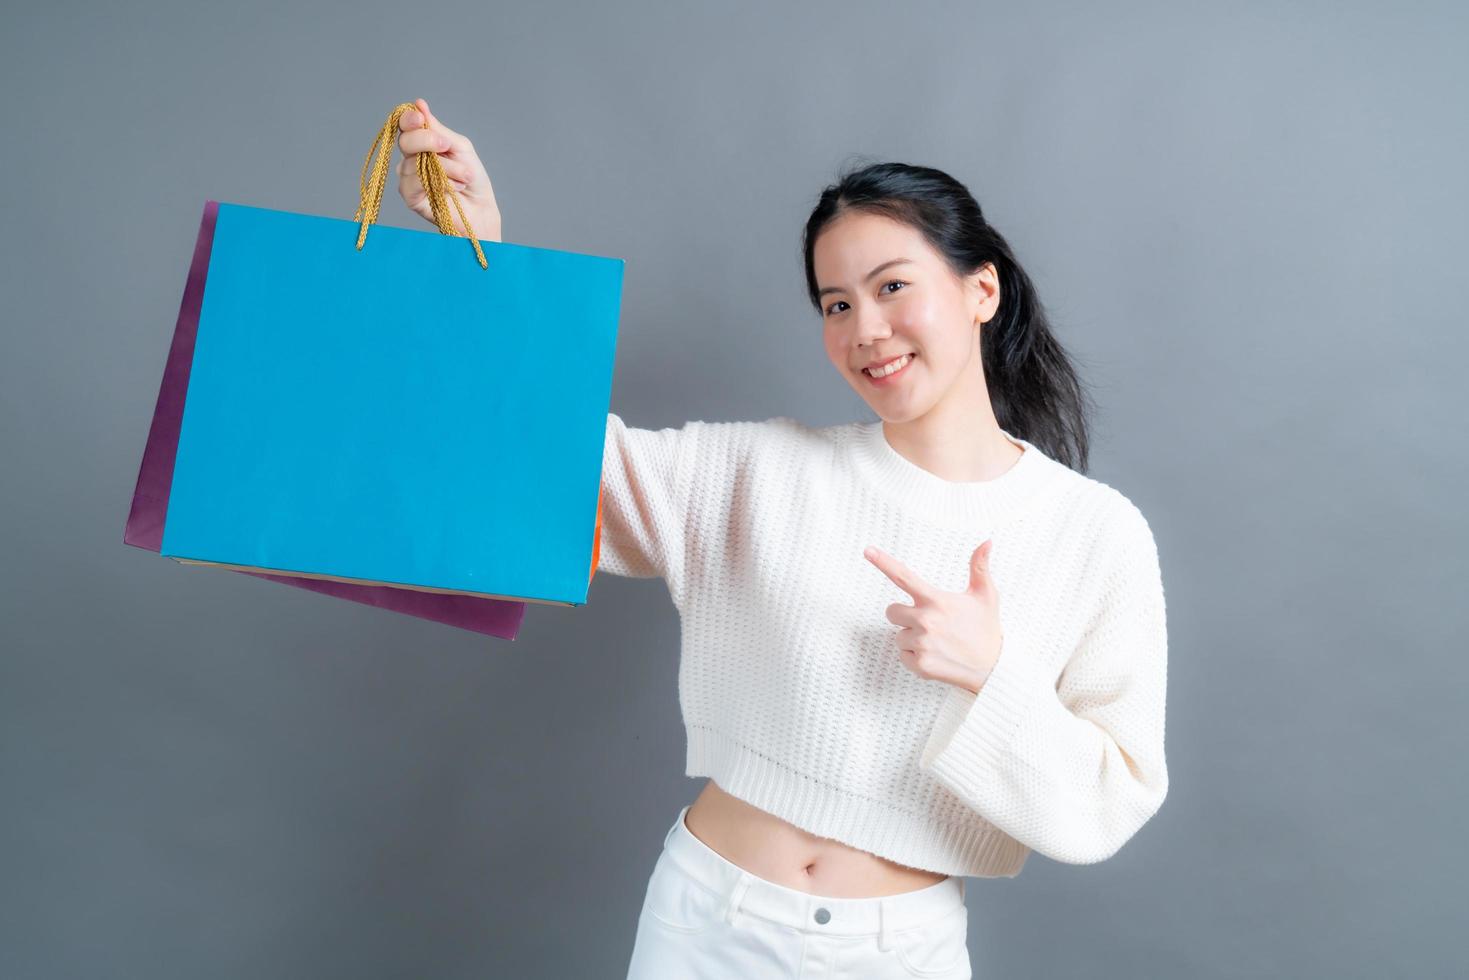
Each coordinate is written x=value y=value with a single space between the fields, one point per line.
x=792 y=693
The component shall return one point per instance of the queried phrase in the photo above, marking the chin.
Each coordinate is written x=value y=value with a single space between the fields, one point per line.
x=896 y=418
x=895 y=414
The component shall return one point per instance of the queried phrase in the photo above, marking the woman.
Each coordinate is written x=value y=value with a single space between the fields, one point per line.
x=913 y=649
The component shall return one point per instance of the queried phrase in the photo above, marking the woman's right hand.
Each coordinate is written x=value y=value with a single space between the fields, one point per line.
x=463 y=168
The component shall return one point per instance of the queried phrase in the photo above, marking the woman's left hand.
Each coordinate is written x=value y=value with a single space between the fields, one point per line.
x=952 y=637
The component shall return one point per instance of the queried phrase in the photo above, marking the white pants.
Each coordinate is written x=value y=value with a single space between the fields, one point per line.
x=705 y=918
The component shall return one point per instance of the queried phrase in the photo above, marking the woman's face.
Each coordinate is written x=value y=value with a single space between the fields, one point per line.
x=916 y=306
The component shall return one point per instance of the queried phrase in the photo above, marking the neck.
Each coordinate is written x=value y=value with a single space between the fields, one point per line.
x=980 y=452
x=958 y=439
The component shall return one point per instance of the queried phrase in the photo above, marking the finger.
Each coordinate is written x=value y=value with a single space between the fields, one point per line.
x=410 y=120
x=411 y=188
x=900 y=573
x=901 y=614
x=887 y=565
x=455 y=170
x=412 y=191
x=421 y=131
x=407 y=165
x=423 y=141
x=979 y=565
x=458 y=142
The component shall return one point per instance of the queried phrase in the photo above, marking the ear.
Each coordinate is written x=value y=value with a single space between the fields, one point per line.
x=983 y=290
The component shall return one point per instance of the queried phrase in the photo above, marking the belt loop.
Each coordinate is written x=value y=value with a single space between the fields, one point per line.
x=736 y=896
x=676 y=824
x=884 y=937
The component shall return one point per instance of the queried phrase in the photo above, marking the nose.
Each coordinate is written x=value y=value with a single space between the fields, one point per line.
x=871 y=328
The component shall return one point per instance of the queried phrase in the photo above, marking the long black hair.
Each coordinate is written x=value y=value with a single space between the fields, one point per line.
x=1033 y=387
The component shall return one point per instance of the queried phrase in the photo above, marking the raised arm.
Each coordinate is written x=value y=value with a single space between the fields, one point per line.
x=645 y=493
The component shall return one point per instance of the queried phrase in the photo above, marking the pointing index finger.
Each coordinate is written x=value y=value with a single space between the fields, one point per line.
x=901 y=574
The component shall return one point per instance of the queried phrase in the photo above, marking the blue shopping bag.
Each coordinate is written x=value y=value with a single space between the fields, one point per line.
x=397 y=414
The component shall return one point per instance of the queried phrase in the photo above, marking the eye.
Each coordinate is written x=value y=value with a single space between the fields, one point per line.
x=890 y=282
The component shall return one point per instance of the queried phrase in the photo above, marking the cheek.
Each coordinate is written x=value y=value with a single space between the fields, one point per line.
x=920 y=320
x=837 y=342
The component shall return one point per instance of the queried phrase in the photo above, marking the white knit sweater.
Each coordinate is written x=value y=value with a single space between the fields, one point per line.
x=792 y=692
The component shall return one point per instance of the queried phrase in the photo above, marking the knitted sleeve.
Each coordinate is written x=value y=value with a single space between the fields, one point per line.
x=1071 y=769
x=644 y=501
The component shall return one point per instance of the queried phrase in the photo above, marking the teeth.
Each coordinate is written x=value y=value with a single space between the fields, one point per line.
x=897 y=365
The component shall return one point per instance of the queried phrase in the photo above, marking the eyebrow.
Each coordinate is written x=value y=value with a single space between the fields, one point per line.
x=870 y=276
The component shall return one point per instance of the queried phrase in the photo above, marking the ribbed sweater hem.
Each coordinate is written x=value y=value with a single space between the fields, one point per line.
x=979 y=849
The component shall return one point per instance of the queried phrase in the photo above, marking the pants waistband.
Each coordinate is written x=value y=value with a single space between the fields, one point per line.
x=745 y=892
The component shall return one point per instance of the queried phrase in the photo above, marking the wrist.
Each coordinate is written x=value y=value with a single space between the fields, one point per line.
x=486 y=226
x=976 y=677
x=493 y=231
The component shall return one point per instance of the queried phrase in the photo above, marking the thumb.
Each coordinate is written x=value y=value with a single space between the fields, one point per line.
x=418 y=118
x=410 y=120
x=423 y=118
x=979 y=566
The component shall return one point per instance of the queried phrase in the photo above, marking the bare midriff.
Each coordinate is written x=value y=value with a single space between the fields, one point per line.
x=765 y=845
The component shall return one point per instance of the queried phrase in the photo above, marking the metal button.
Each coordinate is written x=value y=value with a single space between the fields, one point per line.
x=823 y=916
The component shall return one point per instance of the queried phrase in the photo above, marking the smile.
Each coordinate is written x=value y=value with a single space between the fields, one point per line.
x=888 y=373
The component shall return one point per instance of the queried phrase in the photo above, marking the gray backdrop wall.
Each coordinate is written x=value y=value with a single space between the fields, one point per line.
x=1248 y=222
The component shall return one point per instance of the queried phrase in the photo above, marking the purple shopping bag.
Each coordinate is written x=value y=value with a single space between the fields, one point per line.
x=494 y=617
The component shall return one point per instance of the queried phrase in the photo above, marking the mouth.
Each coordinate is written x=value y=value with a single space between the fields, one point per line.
x=906 y=361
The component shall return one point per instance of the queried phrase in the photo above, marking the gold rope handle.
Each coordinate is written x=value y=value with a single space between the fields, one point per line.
x=430 y=172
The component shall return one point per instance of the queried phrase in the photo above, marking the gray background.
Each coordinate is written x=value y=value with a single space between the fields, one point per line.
x=1248 y=222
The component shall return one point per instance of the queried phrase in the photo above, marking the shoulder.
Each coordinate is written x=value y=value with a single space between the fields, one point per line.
x=776 y=427
x=737 y=438
x=1127 y=570
x=1103 y=523
x=783 y=434
x=1118 y=518
x=1087 y=503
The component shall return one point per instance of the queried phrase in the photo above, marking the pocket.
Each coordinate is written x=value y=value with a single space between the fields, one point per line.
x=677 y=901
x=936 y=949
